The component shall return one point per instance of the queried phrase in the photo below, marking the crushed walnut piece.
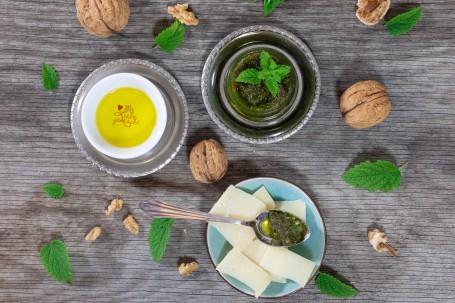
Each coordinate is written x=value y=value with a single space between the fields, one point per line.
x=379 y=241
x=116 y=205
x=93 y=234
x=131 y=224
x=187 y=269
x=180 y=12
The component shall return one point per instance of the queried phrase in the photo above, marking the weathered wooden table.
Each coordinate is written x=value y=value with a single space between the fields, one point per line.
x=37 y=146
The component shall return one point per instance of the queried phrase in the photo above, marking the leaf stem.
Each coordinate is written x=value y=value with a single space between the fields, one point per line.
x=154 y=46
x=404 y=165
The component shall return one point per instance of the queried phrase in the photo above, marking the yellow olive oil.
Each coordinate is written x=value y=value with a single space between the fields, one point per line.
x=126 y=117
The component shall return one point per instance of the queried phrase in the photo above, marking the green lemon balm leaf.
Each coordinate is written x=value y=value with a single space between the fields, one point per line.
x=54 y=190
x=272 y=65
x=49 y=76
x=55 y=259
x=265 y=60
x=160 y=230
x=272 y=85
x=333 y=287
x=282 y=71
x=250 y=76
x=374 y=176
x=403 y=23
x=171 y=38
x=270 y=5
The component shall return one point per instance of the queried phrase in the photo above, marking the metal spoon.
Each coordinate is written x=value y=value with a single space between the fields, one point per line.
x=161 y=209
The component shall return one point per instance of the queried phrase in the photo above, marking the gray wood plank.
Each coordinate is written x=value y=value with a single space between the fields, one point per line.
x=37 y=147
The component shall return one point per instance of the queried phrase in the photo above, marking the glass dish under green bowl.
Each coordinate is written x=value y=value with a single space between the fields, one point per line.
x=281 y=121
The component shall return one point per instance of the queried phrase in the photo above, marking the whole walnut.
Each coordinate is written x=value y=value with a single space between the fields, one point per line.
x=103 y=18
x=208 y=161
x=365 y=104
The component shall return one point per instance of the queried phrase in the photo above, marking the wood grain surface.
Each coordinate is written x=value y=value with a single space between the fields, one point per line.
x=37 y=147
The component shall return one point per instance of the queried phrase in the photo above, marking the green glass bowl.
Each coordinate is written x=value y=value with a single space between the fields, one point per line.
x=275 y=112
x=281 y=126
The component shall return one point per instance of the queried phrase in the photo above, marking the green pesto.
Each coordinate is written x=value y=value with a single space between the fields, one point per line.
x=284 y=228
x=256 y=101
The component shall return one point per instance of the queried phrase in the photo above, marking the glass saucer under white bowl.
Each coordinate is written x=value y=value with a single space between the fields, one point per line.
x=176 y=127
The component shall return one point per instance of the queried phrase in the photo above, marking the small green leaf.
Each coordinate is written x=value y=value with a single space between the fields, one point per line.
x=270 y=5
x=373 y=176
x=272 y=65
x=54 y=190
x=282 y=71
x=171 y=38
x=250 y=76
x=333 y=287
x=272 y=85
x=160 y=230
x=55 y=259
x=49 y=76
x=265 y=60
x=403 y=23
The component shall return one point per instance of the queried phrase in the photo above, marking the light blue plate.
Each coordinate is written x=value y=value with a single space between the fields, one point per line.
x=312 y=249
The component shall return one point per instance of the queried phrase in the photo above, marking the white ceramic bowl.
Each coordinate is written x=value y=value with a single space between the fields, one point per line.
x=93 y=99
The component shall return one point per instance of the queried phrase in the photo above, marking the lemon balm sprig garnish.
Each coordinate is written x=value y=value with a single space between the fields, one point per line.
x=271 y=73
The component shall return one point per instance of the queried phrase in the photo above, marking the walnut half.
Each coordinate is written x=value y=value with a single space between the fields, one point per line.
x=131 y=224
x=370 y=12
x=115 y=205
x=187 y=269
x=180 y=11
x=93 y=234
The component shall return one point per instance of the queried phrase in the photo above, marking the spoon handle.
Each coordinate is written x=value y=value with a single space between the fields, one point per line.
x=160 y=209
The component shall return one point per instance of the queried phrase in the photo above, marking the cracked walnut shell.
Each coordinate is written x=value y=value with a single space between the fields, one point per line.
x=208 y=161
x=103 y=18
x=370 y=12
x=131 y=224
x=365 y=104
x=180 y=12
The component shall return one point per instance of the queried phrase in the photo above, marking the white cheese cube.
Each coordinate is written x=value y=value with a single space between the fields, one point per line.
x=238 y=266
x=287 y=264
x=296 y=207
x=263 y=195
